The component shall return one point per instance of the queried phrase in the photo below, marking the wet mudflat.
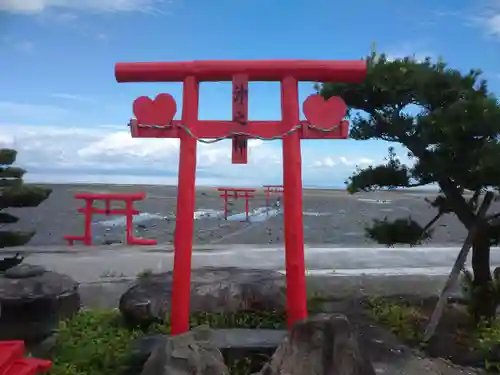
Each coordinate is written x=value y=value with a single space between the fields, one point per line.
x=330 y=217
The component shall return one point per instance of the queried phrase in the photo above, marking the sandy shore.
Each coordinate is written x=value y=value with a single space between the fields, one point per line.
x=330 y=217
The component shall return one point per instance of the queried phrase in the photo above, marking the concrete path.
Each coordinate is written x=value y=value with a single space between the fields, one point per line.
x=97 y=263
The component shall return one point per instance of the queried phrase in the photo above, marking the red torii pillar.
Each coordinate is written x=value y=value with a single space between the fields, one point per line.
x=325 y=120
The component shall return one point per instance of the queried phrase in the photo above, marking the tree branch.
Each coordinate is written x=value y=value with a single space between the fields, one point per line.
x=461 y=208
x=431 y=223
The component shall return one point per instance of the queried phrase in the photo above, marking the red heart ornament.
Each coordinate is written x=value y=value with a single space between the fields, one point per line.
x=160 y=111
x=324 y=113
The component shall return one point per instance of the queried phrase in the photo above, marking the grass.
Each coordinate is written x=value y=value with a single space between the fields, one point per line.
x=402 y=319
x=487 y=337
x=407 y=321
x=99 y=342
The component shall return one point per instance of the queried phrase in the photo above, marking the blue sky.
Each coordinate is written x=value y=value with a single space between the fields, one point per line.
x=62 y=109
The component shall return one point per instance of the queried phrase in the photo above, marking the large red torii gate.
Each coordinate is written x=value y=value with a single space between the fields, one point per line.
x=324 y=120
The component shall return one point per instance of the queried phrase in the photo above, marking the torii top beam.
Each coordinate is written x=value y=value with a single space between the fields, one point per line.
x=353 y=71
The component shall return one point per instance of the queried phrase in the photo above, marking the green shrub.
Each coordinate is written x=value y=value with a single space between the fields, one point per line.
x=487 y=337
x=93 y=343
x=99 y=342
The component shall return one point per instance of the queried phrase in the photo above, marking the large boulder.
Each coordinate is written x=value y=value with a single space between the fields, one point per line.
x=320 y=345
x=227 y=289
x=33 y=301
x=191 y=353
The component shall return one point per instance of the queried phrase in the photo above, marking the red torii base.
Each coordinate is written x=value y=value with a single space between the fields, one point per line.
x=269 y=189
x=13 y=361
x=129 y=211
x=325 y=119
x=236 y=193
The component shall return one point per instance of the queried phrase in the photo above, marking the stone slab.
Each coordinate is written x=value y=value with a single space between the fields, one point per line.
x=234 y=343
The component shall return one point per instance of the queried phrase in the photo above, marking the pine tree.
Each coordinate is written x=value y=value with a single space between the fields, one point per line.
x=449 y=123
x=14 y=193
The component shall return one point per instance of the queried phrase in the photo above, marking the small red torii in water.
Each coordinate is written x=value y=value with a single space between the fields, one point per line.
x=324 y=120
x=236 y=193
x=129 y=211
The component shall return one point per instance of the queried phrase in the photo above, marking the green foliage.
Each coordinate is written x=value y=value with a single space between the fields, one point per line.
x=11 y=172
x=6 y=218
x=14 y=193
x=23 y=196
x=261 y=320
x=7 y=156
x=99 y=342
x=487 y=337
x=403 y=320
x=93 y=343
x=17 y=238
x=404 y=231
x=393 y=174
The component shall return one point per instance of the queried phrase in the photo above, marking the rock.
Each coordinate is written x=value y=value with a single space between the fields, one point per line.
x=144 y=346
x=44 y=348
x=227 y=289
x=33 y=301
x=9 y=262
x=23 y=271
x=320 y=345
x=188 y=354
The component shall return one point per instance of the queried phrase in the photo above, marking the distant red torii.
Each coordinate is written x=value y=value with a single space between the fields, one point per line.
x=269 y=189
x=231 y=192
x=129 y=211
x=324 y=120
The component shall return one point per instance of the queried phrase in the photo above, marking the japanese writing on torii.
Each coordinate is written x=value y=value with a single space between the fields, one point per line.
x=240 y=98
x=240 y=94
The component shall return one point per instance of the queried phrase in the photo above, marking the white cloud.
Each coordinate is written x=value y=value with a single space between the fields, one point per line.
x=119 y=146
x=417 y=50
x=341 y=161
x=37 y=6
x=53 y=153
x=365 y=161
x=493 y=24
x=344 y=161
x=486 y=16
x=324 y=162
